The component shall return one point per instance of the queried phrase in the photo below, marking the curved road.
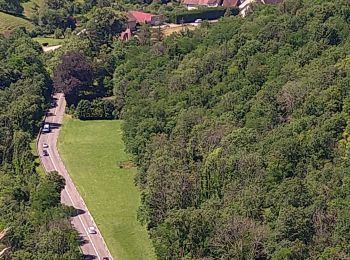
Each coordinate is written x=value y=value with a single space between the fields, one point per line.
x=92 y=245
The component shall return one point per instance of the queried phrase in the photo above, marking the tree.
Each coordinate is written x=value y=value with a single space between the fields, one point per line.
x=104 y=24
x=73 y=75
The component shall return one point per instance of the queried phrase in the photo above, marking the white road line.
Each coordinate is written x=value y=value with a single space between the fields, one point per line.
x=92 y=243
x=79 y=217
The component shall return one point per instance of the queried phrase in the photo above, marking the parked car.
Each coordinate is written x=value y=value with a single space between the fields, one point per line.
x=45 y=153
x=92 y=230
x=198 y=21
x=45 y=145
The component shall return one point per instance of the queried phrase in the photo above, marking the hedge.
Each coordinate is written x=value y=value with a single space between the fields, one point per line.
x=209 y=13
x=96 y=109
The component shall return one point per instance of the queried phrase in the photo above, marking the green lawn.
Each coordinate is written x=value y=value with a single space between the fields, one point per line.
x=50 y=41
x=10 y=22
x=92 y=152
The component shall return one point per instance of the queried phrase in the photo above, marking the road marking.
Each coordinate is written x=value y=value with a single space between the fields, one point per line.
x=54 y=165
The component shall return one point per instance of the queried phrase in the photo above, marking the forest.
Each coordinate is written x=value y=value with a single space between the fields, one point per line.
x=240 y=130
x=35 y=224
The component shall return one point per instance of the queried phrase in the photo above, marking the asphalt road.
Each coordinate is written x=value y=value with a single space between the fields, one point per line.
x=92 y=245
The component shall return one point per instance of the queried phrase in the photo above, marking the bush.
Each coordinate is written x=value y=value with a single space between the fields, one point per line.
x=205 y=14
x=96 y=109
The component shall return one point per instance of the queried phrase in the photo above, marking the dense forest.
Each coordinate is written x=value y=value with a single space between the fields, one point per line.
x=241 y=133
x=31 y=216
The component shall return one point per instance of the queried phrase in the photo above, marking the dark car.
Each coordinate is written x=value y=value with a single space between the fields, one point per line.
x=105 y=258
x=45 y=153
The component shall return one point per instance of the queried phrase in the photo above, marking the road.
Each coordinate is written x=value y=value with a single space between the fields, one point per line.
x=92 y=245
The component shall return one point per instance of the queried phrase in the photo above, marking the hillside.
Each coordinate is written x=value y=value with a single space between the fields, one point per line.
x=241 y=133
x=10 y=22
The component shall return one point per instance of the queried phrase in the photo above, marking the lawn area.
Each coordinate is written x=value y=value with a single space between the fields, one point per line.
x=92 y=152
x=10 y=22
x=50 y=41
x=176 y=29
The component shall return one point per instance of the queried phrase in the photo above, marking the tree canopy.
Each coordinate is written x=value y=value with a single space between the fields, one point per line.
x=240 y=130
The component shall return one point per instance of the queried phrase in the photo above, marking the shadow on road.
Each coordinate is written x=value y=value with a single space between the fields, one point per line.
x=55 y=125
x=77 y=212
x=82 y=241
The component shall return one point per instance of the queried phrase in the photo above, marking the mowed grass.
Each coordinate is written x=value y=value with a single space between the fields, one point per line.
x=92 y=152
x=10 y=22
x=49 y=41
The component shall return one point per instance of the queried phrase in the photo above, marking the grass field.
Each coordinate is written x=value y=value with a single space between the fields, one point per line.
x=10 y=22
x=170 y=30
x=92 y=152
x=50 y=41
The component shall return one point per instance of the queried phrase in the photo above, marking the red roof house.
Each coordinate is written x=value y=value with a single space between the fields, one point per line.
x=142 y=17
x=231 y=3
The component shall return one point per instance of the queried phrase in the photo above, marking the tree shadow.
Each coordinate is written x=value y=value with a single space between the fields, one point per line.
x=77 y=212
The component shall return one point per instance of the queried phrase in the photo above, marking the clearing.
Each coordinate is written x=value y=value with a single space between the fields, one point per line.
x=92 y=152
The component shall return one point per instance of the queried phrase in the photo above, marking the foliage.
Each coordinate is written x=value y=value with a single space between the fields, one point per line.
x=96 y=109
x=209 y=13
x=30 y=207
x=241 y=133
x=73 y=75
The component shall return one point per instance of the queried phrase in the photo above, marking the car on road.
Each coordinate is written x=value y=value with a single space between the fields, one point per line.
x=45 y=153
x=46 y=128
x=45 y=145
x=105 y=258
x=198 y=21
x=92 y=230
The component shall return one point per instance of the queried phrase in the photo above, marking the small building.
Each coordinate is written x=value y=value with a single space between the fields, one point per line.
x=194 y=4
x=138 y=17
x=231 y=3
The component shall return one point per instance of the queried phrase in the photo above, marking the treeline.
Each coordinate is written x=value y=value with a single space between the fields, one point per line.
x=241 y=134
x=11 y=6
x=37 y=225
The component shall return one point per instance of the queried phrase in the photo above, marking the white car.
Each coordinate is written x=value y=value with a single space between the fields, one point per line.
x=45 y=145
x=92 y=230
x=198 y=21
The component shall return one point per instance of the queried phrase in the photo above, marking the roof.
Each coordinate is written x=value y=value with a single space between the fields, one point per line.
x=200 y=2
x=140 y=17
x=229 y=3
x=272 y=2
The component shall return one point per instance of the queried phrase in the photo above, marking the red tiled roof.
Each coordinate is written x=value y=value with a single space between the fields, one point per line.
x=200 y=2
x=272 y=2
x=230 y=3
x=140 y=17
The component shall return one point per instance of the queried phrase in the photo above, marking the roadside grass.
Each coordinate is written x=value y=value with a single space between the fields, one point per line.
x=50 y=41
x=38 y=167
x=92 y=152
x=10 y=22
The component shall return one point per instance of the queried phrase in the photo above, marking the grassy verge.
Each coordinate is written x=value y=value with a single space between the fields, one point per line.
x=92 y=152
x=39 y=168
x=10 y=22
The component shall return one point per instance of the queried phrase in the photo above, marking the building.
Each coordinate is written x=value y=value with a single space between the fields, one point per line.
x=231 y=3
x=193 y=4
x=138 y=17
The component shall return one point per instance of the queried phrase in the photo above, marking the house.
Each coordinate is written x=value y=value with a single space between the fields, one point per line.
x=138 y=17
x=193 y=4
x=231 y=3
